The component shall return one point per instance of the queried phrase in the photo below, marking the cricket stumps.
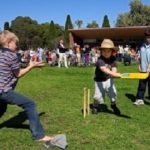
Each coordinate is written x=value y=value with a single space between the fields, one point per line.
x=86 y=102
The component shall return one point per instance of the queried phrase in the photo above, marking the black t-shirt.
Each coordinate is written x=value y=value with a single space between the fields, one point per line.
x=109 y=63
x=62 y=49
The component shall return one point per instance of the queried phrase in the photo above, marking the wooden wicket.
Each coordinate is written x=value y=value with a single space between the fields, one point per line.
x=86 y=102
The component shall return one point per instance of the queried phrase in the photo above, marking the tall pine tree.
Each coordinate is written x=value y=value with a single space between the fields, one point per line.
x=52 y=29
x=68 y=24
x=6 y=26
x=105 y=22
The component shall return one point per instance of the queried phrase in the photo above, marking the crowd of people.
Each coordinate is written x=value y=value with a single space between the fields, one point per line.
x=61 y=56
x=127 y=54
x=77 y=55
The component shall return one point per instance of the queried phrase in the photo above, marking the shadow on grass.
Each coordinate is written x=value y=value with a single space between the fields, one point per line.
x=147 y=101
x=17 y=121
x=133 y=98
x=130 y=96
x=106 y=110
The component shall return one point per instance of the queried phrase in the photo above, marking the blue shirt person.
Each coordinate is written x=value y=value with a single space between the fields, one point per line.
x=144 y=66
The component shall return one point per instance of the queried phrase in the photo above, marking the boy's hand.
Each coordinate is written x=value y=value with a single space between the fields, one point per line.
x=116 y=75
x=34 y=64
x=148 y=70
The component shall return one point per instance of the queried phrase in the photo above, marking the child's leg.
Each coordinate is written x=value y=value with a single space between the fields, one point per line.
x=29 y=106
x=99 y=93
x=112 y=94
x=111 y=89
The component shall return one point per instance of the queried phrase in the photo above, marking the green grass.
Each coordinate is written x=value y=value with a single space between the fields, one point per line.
x=59 y=93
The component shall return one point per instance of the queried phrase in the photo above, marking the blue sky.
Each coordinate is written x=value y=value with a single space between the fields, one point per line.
x=46 y=10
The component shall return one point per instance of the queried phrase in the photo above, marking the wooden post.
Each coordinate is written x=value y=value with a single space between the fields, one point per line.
x=84 y=102
x=88 y=102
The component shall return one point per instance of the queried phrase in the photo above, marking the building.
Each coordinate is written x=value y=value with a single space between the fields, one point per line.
x=120 y=35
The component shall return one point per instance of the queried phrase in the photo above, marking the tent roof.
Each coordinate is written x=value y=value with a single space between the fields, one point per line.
x=117 y=33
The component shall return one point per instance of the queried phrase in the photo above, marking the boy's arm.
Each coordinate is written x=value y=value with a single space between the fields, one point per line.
x=139 y=61
x=148 y=68
x=112 y=72
x=32 y=64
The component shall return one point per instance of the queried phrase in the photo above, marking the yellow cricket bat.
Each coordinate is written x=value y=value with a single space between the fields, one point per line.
x=134 y=75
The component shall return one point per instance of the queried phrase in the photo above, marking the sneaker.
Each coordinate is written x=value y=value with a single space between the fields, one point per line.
x=115 y=109
x=94 y=110
x=139 y=102
x=99 y=108
x=102 y=108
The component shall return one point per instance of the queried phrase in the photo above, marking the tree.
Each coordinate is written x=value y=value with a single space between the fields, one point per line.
x=123 y=20
x=25 y=28
x=93 y=24
x=50 y=35
x=105 y=22
x=52 y=29
x=32 y=34
x=79 y=23
x=137 y=16
x=68 y=24
x=6 y=26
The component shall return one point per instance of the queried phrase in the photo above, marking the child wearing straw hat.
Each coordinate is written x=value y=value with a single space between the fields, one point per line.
x=106 y=69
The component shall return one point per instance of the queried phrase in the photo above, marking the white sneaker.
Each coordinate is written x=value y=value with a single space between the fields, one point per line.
x=139 y=102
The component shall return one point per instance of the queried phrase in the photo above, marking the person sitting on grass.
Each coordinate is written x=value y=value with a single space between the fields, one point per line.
x=106 y=69
x=10 y=72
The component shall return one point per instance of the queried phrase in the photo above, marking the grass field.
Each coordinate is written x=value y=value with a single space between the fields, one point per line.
x=58 y=94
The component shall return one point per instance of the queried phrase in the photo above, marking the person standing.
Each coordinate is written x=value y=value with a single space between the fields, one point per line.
x=144 y=66
x=40 y=54
x=78 y=55
x=62 y=54
x=10 y=72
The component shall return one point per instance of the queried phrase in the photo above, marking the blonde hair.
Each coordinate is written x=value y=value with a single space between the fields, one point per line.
x=7 y=36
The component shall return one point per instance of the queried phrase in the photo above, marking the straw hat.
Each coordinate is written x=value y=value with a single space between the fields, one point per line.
x=107 y=43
